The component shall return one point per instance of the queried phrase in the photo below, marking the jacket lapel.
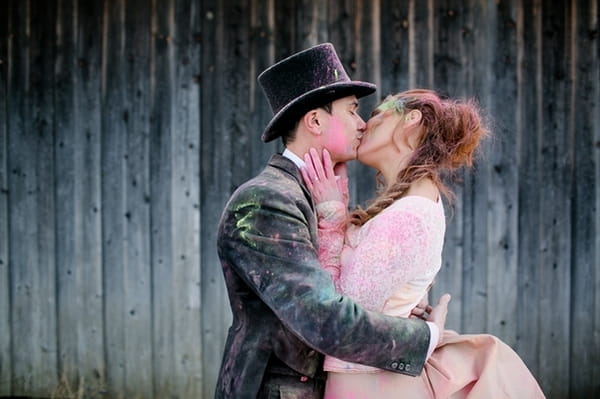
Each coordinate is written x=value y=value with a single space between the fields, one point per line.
x=286 y=165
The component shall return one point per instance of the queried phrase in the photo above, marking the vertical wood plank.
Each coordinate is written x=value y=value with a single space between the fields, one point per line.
x=216 y=177
x=582 y=127
x=5 y=321
x=137 y=274
x=262 y=53
x=161 y=177
x=473 y=206
x=32 y=206
x=555 y=235
x=421 y=36
x=529 y=124
x=88 y=204
x=76 y=168
x=285 y=31
x=594 y=16
x=342 y=35
x=368 y=68
x=19 y=301
x=503 y=184
x=394 y=31
x=450 y=79
x=454 y=47
x=114 y=211
x=70 y=308
x=186 y=226
x=77 y=149
x=43 y=279
x=311 y=19
x=237 y=113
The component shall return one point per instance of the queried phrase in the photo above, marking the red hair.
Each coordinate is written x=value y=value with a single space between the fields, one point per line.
x=451 y=131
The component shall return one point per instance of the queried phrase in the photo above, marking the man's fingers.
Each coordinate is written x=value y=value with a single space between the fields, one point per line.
x=445 y=299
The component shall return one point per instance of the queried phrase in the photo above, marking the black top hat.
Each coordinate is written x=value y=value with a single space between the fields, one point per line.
x=304 y=81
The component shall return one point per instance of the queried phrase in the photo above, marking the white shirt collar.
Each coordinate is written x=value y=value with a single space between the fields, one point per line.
x=294 y=158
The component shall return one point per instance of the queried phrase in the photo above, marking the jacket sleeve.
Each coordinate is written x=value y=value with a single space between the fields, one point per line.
x=265 y=236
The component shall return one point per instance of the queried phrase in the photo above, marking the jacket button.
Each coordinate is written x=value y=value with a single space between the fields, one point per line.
x=394 y=365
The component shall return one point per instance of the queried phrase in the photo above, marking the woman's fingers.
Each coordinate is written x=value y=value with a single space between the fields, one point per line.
x=320 y=178
x=341 y=170
x=307 y=179
x=310 y=167
x=318 y=164
x=328 y=165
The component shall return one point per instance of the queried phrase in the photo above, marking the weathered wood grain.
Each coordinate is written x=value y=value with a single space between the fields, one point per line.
x=582 y=129
x=215 y=183
x=78 y=202
x=32 y=211
x=114 y=209
x=5 y=305
x=126 y=124
x=556 y=147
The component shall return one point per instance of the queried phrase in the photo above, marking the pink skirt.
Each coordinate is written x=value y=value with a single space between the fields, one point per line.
x=462 y=366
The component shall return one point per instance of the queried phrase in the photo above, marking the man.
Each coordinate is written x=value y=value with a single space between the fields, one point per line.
x=286 y=312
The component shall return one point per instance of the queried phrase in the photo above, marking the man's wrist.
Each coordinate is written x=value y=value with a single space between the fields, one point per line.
x=434 y=337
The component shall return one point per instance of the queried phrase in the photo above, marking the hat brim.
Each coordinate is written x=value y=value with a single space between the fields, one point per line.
x=281 y=122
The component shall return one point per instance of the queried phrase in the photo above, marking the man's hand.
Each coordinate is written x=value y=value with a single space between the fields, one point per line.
x=423 y=309
x=439 y=312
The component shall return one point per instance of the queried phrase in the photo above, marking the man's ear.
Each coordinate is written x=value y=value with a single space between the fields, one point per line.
x=311 y=122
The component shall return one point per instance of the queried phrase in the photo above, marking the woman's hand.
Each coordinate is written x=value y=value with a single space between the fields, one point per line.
x=321 y=179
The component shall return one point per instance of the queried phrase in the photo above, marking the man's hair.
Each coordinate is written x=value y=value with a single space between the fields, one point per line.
x=290 y=132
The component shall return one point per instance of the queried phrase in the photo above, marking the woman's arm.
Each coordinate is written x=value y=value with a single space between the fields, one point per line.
x=332 y=217
x=393 y=250
x=329 y=188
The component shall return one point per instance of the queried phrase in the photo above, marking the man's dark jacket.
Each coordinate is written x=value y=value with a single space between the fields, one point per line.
x=283 y=303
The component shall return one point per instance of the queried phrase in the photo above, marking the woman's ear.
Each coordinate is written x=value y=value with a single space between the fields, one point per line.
x=312 y=123
x=406 y=134
x=413 y=117
x=412 y=121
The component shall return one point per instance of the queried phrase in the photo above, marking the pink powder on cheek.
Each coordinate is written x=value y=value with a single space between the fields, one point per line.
x=335 y=139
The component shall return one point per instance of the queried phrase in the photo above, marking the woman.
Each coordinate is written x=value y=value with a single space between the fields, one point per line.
x=386 y=256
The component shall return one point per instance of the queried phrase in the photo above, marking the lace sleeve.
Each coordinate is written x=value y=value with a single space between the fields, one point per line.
x=332 y=218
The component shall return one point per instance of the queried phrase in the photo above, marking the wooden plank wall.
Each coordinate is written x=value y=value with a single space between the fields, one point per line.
x=126 y=124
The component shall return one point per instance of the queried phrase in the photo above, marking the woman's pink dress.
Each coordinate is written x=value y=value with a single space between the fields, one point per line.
x=387 y=265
